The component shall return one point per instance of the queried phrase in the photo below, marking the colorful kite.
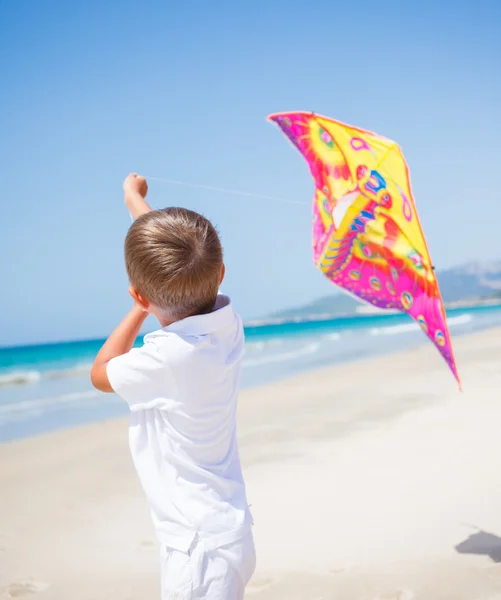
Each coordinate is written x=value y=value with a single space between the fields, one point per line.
x=367 y=238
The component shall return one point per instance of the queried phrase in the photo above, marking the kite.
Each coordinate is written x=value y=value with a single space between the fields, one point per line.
x=367 y=238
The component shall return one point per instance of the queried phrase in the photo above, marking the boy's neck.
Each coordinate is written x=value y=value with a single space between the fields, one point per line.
x=165 y=321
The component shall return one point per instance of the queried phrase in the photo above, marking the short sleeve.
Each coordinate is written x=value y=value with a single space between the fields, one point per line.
x=139 y=377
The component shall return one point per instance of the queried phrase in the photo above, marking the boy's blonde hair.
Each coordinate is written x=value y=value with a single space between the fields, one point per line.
x=174 y=259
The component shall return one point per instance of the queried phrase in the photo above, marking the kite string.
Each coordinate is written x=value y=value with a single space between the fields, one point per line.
x=227 y=191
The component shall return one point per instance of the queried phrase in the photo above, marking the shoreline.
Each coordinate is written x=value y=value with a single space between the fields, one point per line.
x=321 y=369
x=250 y=390
x=366 y=313
x=368 y=480
x=60 y=399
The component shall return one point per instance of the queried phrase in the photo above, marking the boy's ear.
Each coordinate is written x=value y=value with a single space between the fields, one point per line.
x=138 y=299
x=223 y=271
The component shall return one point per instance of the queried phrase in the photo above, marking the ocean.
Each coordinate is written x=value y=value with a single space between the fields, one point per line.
x=46 y=387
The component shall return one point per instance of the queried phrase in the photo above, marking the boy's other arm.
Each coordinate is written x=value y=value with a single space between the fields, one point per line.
x=135 y=190
x=120 y=342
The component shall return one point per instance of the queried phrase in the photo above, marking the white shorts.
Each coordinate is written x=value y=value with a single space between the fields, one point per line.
x=220 y=574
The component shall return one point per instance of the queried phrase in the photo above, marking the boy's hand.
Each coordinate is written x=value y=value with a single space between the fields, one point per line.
x=135 y=184
x=135 y=190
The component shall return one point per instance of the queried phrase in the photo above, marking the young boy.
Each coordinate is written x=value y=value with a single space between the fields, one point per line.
x=181 y=387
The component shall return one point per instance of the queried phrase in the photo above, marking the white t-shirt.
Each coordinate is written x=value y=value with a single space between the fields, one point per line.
x=182 y=389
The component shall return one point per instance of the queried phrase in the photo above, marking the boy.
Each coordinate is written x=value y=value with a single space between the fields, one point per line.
x=182 y=387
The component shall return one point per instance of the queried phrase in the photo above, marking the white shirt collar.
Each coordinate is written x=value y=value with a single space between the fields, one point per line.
x=220 y=317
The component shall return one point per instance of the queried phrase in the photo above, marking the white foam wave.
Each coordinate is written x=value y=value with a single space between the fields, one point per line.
x=75 y=371
x=394 y=329
x=19 y=378
x=273 y=358
x=406 y=327
x=37 y=405
x=27 y=377
x=333 y=337
x=263 y=344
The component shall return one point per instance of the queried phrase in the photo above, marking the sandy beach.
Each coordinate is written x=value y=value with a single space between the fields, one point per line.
x=375 y=480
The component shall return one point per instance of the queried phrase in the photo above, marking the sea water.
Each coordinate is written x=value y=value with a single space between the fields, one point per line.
x=47 y=387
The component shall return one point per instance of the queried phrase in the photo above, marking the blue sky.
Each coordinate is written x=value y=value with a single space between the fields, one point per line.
x=94 y=90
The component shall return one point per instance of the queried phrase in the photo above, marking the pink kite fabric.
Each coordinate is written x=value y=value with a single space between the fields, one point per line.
x=367 y=237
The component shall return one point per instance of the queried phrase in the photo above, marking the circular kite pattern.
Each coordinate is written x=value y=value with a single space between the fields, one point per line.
x=439 y=338
x=386 y=201
x=407 y=300
x=362 y=172
x=326 y=138
x=355 y=275
x=417 y=260
x=422 y=321
x=375 y=283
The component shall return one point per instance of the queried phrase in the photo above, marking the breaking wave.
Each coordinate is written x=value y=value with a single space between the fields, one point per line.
x=406 y=327
x=21 y=377
x=274 y=358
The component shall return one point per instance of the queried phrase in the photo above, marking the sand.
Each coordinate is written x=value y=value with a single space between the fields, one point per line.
x=375 y=480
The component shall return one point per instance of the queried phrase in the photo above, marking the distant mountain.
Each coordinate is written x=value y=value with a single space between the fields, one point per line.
x=337 y=304
x=468 y=283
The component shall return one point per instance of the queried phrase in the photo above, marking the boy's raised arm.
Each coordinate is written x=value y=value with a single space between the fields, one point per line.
x=135 y=190
x=123 y=338
x=120 y=342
